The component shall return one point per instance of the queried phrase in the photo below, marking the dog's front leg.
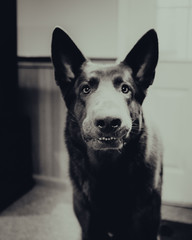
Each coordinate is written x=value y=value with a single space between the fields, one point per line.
x=90 y=225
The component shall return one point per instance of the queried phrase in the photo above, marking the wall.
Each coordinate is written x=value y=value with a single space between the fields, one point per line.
x=91 y=24
x=42 y=102
x=135 y=17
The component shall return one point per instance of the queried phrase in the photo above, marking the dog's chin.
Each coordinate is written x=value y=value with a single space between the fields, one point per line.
x=106 y=144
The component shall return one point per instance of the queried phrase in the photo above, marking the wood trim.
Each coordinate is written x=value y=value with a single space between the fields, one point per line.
x=54 y=182
x=47 y=62
x=181 y=205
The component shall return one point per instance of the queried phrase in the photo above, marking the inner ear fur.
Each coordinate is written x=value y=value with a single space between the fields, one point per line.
x=67 y=59
x=143 y=58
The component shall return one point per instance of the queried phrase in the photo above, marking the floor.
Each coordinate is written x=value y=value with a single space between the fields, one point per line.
x=46 y=213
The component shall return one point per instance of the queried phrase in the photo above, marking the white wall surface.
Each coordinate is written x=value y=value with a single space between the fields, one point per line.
x=135 y=17
x=106 y=28
x=91 y=24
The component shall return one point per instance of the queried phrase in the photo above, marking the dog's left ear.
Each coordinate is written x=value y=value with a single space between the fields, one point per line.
x=142 y=59
x=67 y=59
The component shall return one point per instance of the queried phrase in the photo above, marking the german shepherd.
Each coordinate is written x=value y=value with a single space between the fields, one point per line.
x=115 y=155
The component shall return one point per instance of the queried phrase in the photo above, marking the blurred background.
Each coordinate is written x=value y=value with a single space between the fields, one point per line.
x=105 y=31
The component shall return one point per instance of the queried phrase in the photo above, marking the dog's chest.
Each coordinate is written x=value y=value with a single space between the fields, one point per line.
x=109 y=191
x=111 y=202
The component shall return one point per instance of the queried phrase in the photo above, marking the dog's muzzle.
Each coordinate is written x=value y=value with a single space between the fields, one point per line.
x=105 y=134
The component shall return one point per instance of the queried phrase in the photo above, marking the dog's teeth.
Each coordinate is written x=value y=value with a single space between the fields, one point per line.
x=106 y=138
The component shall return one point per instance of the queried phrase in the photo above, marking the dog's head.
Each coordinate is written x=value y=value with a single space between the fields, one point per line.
x=105 y=100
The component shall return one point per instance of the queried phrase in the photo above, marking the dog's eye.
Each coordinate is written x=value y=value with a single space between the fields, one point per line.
x=86 y=89
x=125 y=88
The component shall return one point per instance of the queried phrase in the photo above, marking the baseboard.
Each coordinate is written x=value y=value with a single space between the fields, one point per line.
x=176 y=204
x=52 y=182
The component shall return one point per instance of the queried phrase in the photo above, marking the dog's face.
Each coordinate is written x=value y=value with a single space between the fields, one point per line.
x=104 y=96
x=105 y=100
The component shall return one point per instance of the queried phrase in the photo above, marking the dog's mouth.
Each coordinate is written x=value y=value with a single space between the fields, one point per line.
x=109 y=143
x=105 y=143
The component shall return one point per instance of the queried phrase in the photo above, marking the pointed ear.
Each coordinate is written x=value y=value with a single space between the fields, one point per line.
x=67 y=59
x=142 y=59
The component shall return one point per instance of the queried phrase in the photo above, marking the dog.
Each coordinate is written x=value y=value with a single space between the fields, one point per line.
x=115 y=155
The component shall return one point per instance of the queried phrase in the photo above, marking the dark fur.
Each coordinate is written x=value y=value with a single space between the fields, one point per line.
x=116 y=181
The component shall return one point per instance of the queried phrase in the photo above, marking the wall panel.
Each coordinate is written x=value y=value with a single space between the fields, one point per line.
x=42 y=102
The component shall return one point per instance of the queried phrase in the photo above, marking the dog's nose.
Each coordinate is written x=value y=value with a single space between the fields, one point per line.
x=108 y=124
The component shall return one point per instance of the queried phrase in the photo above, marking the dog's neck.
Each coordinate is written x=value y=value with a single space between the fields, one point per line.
x=100 y=157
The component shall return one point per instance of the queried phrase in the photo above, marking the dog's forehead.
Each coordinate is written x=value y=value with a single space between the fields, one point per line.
x=106 y=71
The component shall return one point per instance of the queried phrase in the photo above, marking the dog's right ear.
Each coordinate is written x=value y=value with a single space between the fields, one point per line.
x=67 y=59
